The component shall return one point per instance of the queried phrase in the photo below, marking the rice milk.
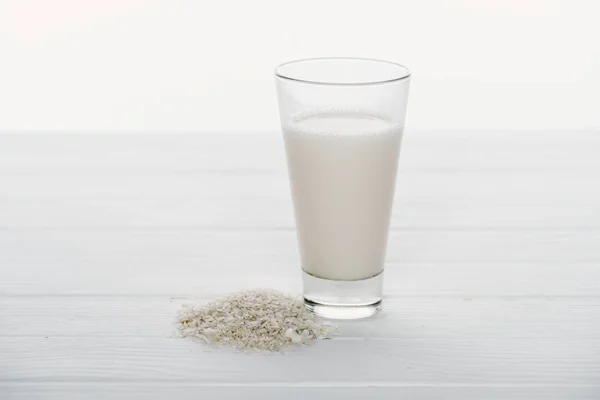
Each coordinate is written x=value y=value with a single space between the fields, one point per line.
x=342 y=168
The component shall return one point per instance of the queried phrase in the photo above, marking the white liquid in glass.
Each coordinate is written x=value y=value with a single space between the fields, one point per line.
x=342 y=169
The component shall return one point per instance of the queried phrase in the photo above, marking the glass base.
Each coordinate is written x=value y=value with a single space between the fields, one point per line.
x=342 y=299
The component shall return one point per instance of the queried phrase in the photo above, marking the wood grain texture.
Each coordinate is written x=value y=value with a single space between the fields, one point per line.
x=246 y=210
x=414 y=359
x=176 y=262
x=161 y=391
x=268 y=247
x=492 y=282
x=550 y=318
x=185 y=277
x=508 y=186
x=453 y=152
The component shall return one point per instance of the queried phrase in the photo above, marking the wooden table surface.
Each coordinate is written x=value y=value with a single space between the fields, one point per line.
x=492 y=285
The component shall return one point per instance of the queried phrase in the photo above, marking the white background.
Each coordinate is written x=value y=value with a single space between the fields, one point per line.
x=141 y=65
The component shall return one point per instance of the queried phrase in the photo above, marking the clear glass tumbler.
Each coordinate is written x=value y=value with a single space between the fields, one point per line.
x=342 y=122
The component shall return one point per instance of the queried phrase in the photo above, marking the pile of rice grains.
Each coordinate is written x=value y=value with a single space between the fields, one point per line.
x=259 y=320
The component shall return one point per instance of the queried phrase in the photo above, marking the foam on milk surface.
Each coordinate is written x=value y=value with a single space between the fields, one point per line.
x=342 y=169
x=339 y=123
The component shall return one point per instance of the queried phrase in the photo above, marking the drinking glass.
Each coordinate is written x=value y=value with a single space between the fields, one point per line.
x=342 y=122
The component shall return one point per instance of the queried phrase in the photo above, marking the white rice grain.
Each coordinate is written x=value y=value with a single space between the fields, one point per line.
x=263 y=320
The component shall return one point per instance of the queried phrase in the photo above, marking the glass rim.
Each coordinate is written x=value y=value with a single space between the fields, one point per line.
x=401 y=75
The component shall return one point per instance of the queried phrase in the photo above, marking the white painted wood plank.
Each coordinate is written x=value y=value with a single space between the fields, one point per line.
x=422 y=151
x=181 y=262
x=250 y=211
x=453 y=357
x=432 y=318
x=529 y=187
x=187 y=277
x=161 y=391
x=255 y=248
